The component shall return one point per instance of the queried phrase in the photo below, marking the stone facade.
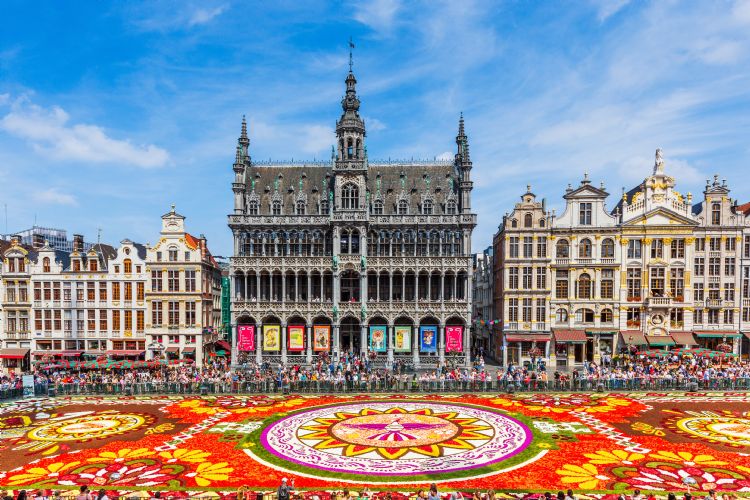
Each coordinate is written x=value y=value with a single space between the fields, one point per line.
x=328 y=253
x=483 y=306
x=657 y=270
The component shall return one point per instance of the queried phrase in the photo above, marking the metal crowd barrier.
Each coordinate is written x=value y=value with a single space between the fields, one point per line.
x=389 y=385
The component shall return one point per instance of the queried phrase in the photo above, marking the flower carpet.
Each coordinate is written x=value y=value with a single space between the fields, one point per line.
x=595 y=443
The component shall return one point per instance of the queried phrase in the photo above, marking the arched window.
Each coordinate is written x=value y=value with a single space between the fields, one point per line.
x=584 y=249
x=127 y=264
x=527 y=220
x=514 y=223
x=541 y=222
x=252 y=208
x=450 y=208
x=45 y=265
x=350 y=148
x=324 y=207
x=608 y=249
x=427 y=207
x=716 y=213
x=561 y=316
x=349 y=197
x=562 y=249
x=584 y=286
x=377 y=207
x=172 y=254
x=300 y=207
x=403 y=207
x=607 y=316
x=276 y=207
x=585 y=316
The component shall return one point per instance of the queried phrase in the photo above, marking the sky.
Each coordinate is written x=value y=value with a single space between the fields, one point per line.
x=112 y=111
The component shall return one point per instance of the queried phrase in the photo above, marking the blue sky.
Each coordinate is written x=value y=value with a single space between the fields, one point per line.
x=111 y=111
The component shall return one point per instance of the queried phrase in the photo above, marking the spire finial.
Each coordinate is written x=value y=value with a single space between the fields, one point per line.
x=172 y=207
x=351 y=55
x=528 y=188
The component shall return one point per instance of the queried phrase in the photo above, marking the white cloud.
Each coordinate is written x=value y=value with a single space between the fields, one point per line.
x=202 y=16
x=51 y=134
x=445 y=156
x=741 y=12
x=53 y=196
x=608 y=8
x=373 y=124
x=379 y=15
x=316 y=138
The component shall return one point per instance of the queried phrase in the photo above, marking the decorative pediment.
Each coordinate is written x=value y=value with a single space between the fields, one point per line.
x=661 y=217
x=586 y=191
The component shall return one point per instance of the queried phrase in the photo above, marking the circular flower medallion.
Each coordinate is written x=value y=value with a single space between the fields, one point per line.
x=730 y=430
x=88 y=427
x=385 y=440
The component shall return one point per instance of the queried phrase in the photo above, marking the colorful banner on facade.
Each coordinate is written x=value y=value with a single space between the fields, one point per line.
x=296 y=340
x=246 y=337
x=271 y=337
x=378 y=338
x=402 y=339
x=321 y=338
x=454 y=339
x=428 y=338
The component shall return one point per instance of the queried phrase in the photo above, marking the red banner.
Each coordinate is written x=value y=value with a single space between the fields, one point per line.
x=454 y=339
x=246 y=337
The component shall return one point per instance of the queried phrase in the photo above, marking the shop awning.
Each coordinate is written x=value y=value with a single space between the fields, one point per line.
x=224 y=345
x=713 y=334
x=13 y=353
x=125 y=352
x=94 y=354
x=71 y=354
x=527 y=337
x=683 y=338
x=39 y=354
x=633 y=337
x=601 y=332
x=173 y=349
x=569 y=336
x=188 y=349
x=659 y=340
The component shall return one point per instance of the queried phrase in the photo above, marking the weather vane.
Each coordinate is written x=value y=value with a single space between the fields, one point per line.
x=351 y=58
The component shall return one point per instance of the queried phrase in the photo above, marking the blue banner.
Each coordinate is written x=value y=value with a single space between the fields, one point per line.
x=378 y=338
x=428 y=338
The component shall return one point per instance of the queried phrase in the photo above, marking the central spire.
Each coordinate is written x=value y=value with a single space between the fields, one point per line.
x=350 y=129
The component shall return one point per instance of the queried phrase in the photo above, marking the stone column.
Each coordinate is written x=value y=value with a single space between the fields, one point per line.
x=336 y=340
x=415 y=346
x=283 y=343
x=258 y=343
x=390 y=337
x=309 y=344
x=441 y=343
x=363 y=340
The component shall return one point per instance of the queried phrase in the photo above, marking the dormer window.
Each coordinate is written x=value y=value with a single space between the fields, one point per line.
x=584 y=214
x=450 y=208
x=45 y=265
x=300 y=208
x=93 y=265
x=716 y=214
x=427 y=207
x=514 y=223
x=21 y=265
x=252 y=208
x=172 y=255
x=403 y=207
x=528 y=220
x=76 y=265
x=276 y=207
x=377 y=207
x=324 y=207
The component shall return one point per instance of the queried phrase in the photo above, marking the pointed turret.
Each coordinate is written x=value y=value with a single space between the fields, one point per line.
x=463 y=166
x=350 y=129
x=241 y=160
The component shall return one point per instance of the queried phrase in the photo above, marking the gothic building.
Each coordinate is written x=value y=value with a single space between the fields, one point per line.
x=657 y=270
x=352 y=255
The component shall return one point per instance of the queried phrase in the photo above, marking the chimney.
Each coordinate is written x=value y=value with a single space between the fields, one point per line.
x=77 y=242
x=202 y=244
x=37 y=241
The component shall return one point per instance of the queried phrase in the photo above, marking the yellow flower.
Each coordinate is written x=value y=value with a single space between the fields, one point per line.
x=686 y=458
x=503 y=402
x=122 y=455
x=190 y=456
x=207 y=472
x=255 y=409
x=604 y=457
x=195 y=406
x=545 y=446
x=37 y=473
x=586 y=476
x=611 y=404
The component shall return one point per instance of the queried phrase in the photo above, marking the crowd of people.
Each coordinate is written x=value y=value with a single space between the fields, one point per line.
x=354 y=372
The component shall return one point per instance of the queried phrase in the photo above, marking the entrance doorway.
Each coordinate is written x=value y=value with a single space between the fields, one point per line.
x=350 y=335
